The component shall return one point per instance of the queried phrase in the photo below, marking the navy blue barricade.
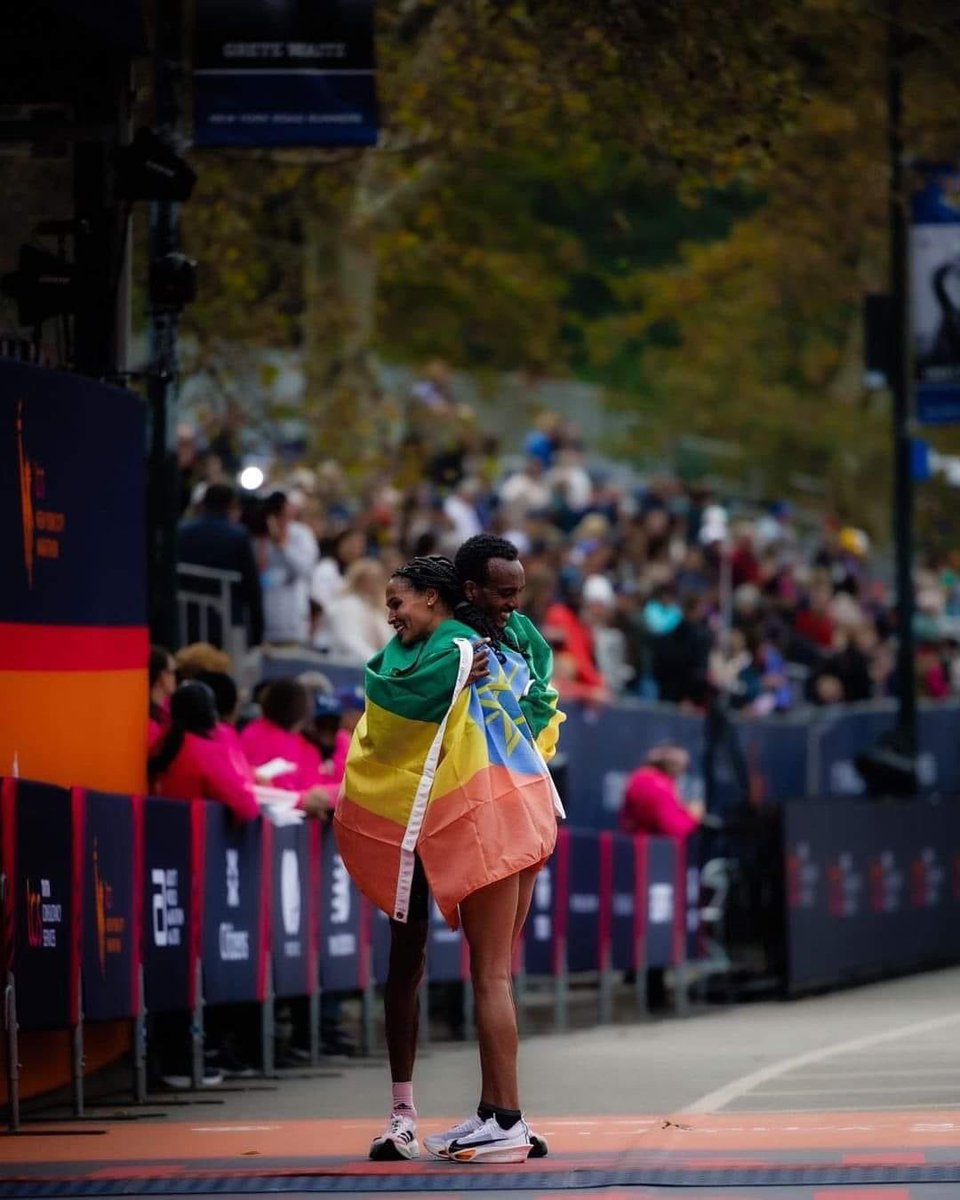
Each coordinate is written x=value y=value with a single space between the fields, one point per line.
x=939 y=762
x=540 y=954
x=235 y=905
x=663 y=902
x=628 y=903
x=775 y=750
x=871 y=889
x=837 y=737
x=446 y=962
x=293 y=895
x=583 y=900
x=111 y=829
x=43 y=878
x=345 y=935
x=604 y=745
x=170 y=935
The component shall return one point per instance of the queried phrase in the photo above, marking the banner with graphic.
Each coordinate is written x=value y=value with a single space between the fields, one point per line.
x=627 y=925
x=294 y=893
x=345 y=932
x=233 y=908
x=112 y=876
x=168 y=914
x=38 y=860
x=544 y=921
x=935 y=295
x=287 y=73
x=583 y=901
x=73 y=637
x=872 y=889
x=665 y=904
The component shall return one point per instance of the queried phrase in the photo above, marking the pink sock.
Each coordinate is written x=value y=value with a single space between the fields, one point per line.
x=403 y=1097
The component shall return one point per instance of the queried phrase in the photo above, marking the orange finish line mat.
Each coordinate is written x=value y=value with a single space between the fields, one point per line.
x=888 y=1155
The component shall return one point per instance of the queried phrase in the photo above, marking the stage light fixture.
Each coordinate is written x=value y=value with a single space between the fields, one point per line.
x=148 y=169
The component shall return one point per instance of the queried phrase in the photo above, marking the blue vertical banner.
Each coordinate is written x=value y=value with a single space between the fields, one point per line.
x=583 y=901
x=662 y=901
x=342 y=946
x=284 y=73
x=935 y=295
x=291 y=880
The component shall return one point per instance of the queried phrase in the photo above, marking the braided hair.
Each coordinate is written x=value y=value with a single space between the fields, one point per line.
x=435 y=571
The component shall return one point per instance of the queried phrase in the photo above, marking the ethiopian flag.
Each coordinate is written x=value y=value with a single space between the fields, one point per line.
x=449 y=772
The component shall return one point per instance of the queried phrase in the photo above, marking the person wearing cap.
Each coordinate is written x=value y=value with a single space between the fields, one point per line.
x=332 y=742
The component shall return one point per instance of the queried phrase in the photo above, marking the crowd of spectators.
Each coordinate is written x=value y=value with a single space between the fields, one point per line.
x=652 y=588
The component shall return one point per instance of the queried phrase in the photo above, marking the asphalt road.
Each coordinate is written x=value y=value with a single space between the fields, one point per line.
x=893 y=1045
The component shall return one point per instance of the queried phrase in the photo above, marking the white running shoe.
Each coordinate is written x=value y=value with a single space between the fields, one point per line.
x=491 y=1144
x=398 y=1140
x=436 y=1143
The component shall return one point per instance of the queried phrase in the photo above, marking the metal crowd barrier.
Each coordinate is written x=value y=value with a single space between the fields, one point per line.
x=115 y=907
x=205 y=610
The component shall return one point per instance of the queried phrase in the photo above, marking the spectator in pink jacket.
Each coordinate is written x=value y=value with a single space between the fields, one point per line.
x=652 y=803
x=192 y=763
x=276 y=738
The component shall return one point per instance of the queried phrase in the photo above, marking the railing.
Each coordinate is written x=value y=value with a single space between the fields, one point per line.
x=116 y=907
x=206 y=613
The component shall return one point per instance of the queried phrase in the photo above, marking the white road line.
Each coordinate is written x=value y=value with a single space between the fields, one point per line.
x=716 y=1100
x=816 y=1076
x=231 y=1128
x=834 y=1108
x=859 y=1091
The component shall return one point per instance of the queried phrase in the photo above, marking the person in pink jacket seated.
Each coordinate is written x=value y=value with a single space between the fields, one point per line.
x=192 y=763
x=652 y=803
x=275 y=746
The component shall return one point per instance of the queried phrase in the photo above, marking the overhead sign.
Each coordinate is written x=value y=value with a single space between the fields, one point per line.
x=284 y=74
x=935 y=296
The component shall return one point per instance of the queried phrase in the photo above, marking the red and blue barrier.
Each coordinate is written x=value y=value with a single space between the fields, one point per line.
x=117 y=906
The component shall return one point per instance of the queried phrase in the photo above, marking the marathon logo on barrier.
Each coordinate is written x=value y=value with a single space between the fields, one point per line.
x=927 y=879
x=340 y=945
x=803 y=877
x=542 y=924
x=111 y=929
x=44 y=914
x=168 y=915
x=233 y=943
x=660 y=902
x=886 y=883
x=844 y=887
x=290 y=908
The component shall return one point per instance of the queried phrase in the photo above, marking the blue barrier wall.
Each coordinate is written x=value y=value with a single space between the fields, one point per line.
x=808 y=753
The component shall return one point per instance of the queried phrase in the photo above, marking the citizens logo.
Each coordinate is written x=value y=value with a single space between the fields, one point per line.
x=41 y=527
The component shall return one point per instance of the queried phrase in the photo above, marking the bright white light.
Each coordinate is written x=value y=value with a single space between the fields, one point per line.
x=251 y=478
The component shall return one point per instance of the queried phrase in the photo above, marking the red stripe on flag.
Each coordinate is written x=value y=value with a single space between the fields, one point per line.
x=73 y=647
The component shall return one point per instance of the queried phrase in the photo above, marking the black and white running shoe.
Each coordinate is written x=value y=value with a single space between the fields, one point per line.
x=491 y=1144
x=398 y=1140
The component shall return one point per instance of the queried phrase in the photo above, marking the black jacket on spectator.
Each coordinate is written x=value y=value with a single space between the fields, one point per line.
x=680 y=663
x=221 y=544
